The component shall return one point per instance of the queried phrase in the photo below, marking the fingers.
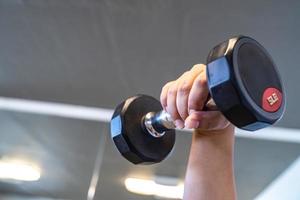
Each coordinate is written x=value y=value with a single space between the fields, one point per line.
x=188 y=92
x=183 y=91
x=171 y=101
x=163 y=94
x=199 y=93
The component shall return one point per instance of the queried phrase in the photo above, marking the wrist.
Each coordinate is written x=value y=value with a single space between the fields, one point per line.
x=218 y=141
x=225 y=135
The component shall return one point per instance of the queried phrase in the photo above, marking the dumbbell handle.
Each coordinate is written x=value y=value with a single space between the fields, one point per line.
x=157 y=123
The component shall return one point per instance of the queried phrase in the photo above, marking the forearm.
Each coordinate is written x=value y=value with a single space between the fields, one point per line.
x=210 y=173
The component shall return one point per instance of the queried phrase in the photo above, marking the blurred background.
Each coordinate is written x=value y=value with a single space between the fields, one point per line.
x=90 y=55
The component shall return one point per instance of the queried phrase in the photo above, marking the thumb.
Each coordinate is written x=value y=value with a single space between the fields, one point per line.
x=206 y=120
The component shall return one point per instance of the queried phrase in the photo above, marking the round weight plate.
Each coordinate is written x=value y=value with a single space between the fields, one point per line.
x=258 y=79
x=136 y=144
x=245 y=84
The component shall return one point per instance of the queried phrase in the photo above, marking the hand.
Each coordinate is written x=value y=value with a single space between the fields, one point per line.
x=185 y=98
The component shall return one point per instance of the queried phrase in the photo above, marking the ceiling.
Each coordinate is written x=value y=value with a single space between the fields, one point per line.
x=98 y=52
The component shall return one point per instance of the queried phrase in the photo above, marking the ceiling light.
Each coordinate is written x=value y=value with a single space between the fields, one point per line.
x=18 y=170
x=150 y=187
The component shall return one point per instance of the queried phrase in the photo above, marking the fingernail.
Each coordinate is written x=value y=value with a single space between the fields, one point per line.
x=179 y=123
x=191 y=124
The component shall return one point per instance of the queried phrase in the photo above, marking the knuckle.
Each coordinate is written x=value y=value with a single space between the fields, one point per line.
x=184 y=88
x=166 y=86
x=183 y=76
x=203 y=66
x=172 y=91
x=201 y=82
x=186 y=73
x=199 y=66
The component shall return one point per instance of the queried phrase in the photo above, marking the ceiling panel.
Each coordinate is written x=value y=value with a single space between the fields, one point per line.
x=99 y=52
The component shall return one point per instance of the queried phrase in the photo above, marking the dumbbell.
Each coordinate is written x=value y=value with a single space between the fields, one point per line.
x=244 y=85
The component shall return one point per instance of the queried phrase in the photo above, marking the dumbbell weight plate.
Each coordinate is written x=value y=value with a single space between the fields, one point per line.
x=130 y=137
x=245 y=84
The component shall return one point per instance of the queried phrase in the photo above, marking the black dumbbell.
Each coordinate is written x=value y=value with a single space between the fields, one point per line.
x=243 y=82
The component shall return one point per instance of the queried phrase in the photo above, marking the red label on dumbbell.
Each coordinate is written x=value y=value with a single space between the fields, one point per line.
x=272 y=99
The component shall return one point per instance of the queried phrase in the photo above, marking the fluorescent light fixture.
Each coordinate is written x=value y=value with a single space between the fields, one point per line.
x=18 y=170
x=104 y=115
x=150 y=187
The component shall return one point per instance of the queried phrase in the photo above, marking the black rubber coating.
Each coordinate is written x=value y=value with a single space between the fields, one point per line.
x=256 y=70
x=240 y=75
x=131 y=139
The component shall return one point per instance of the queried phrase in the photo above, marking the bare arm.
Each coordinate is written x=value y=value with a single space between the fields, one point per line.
x=209 y=174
